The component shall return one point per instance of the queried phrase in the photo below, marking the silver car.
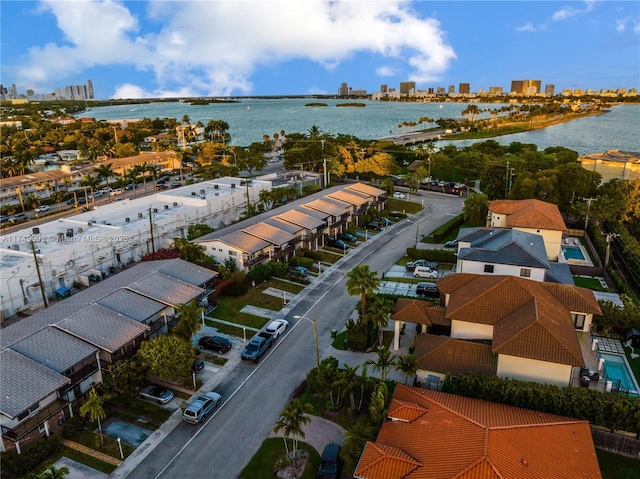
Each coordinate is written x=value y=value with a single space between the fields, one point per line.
x=199 y=409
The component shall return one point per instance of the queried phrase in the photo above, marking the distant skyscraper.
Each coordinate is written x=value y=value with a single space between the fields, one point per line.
x=517 y=86
x=343 y=90
x=452 y=89
x=383 y=88
x=90 y=88
x=527 y=87
x=440 y=90
x=549 y=89
x=14 y=91
x=495 y=90
x=406 y=87
x=464 y=88
x=430 y=91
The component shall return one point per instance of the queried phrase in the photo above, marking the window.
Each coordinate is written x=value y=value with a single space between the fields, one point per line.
x=233 y=253
x=488 y=268
x=525 y=272
x=578 y=320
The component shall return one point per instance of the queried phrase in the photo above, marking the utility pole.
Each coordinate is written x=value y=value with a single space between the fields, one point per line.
x=301 y=177
x=153 y=244
x=508 y=180
x=326 y=181
x=35 y=258
x=609 y=236
x=586 y=218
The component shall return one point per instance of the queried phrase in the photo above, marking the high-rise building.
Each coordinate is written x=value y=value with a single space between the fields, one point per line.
x=495 y=90
x=383 y=88
x=517 y=86
x=14 y=91
x=90 y=89
x=452 y=89
x=407 y=88
x=440 y=90
x=431 y=90
x=344 y=89
x=526 y=87
x=549 y=89
x=464 y=88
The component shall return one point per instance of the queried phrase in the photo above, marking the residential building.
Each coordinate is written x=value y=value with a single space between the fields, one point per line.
x=549 y=89
x=532 y=216
x=464 y=88
x=431 y=434
x=508 y=252
x=451 y=90
x=613 y=164
x=344 y=89
x=495 y=90
x=55 y=356
x=407 y=88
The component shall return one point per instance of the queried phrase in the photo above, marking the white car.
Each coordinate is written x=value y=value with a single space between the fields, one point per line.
x=425 y=272
x=116 y=192
x=200 y=407
x=277 y=327
x=157 y=394
x=42 y=209
x=399 y=195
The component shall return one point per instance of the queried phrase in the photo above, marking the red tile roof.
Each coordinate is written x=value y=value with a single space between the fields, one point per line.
x=459 y=437
x=419 y=312
x=529 y=213
x=445 y=355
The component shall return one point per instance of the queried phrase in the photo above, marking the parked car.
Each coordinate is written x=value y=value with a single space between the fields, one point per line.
x=347 y=238
x=198 y=365
x=399 y=195
x=425 y=272
x=255 y=349
x=162 y=186
x=4 y=219
x=451 y=244
x=97 y=194
x=411 y=265
x=157 y=394
x=298 y=271
x=131 y=186
x=329 y=462
x=200 y=407
x=116 y=192
x=429 y=290
x=18 y=217
x=42 y=208
x=174 y=185
x=215 y=343
x=373 y=225
x=276 y=327
x=336 y=243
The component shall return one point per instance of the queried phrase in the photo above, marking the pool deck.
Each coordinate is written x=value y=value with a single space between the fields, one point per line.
x=572 y=242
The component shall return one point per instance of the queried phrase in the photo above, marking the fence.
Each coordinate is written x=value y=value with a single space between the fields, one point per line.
x=622 y=444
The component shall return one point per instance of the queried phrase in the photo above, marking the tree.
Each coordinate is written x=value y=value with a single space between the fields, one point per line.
x=362 y=281
x=378 y=405
x=57 y=197
x=383 y=363
x=355 y=440
x=105 y=171
x=292 y=418
x=189 y=323
x=93 y=407
x=53 y=472
x=408 y=365
x=167 y=357
x=381 y=308
x=187 y=251
x=476 y=207
x=200 y=229
x=124 y=377
x=472 y=111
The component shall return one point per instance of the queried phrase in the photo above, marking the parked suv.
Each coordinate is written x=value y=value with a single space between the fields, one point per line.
x=330 y=462
x=429 y=290
x=425 y=272
x=198 y=410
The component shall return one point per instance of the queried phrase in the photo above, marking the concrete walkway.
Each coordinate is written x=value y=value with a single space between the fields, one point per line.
x=78 y=470
x=91 y=452
x=320 y=432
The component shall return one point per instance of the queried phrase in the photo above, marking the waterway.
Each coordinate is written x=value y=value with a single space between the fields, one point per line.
x=250 y=119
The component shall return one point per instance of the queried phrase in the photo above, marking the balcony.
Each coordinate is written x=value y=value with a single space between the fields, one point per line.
x=282 y=253
x=33 y=422
x=249 y=263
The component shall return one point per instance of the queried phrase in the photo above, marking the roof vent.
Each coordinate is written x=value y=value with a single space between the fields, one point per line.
x=217 y=194
x=127 y=220
x=175 y=203
x=203 y=197
x=166 y=207
x=69 y=232
x=79 y=230
x=233 y=185
x=193 y=193
x=155 y=210
x=35 y=231
x=139 y=215
x=215 y=187
x=202 y=192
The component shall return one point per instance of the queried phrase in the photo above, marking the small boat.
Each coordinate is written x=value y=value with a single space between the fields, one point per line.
x=248 y=108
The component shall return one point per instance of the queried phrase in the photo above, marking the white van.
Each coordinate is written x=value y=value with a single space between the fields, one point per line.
x=425 y=272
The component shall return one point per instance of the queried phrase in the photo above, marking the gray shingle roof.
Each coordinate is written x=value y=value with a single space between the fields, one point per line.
x=284 y=225
x=270 y=233
x=102 y=327
x=503 y=246
x=24 y=382
x=303 y=218
x=188 y=272
x=243 y=241
x=133 y=305
x=54 y=349
x=166 y=289
x=559 y=273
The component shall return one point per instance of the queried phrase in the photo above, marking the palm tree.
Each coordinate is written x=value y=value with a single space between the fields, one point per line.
x=57 y=197
x=189 y=319
x=362 y=281
x=381 y=308
x=93 y=407
x=154 y=171
x=53 y=472
x=291 y=420
x=378 y=405
x=105 y=171
x=355 y=440
x=186 y=120
x=408 y=365
x=67 y=182
x=383 y=363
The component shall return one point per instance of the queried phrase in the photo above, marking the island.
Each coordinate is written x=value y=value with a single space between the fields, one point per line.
x=315 y=104
x=359 y=105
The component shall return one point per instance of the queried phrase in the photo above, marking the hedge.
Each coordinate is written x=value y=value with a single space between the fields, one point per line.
x=440 y=233
x=613 y=411
x=438 y=255
x=37 y=452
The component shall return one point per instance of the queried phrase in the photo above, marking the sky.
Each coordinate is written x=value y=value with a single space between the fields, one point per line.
x=161 y=48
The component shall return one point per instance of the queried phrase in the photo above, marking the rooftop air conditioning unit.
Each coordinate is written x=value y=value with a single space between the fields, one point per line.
x=38 y=251
x=139 y=215
x=35 y=231
x=203 y=197
x=127 y=220
x=79 y=230
x=69 y=232
x=233 y=185
x=217 y=194
x=193 y=193
x=103 y=222
x=202 y=192
x=166 y=207
x=215 y=187
x=15 y=247
x=89 y=223
x=155 y=210
x=60 y=236
x=175 y=203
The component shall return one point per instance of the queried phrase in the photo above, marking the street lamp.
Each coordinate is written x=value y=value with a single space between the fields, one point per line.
x=315 y=336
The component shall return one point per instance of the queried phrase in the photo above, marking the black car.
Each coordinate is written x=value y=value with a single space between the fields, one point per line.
x=374 y=225
x=198 y=365
x=411 y=266
x=347 y=238
x=451 y=244
x=215 y=343
x=330 y=462
x=336 y=243
x=429 y=290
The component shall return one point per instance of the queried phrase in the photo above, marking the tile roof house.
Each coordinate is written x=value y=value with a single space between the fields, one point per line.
x=519 y=328
x=430 y=434
x=533 y=216
x=508 y=252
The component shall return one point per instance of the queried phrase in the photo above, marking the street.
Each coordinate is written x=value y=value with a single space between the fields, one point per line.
x=254 y=395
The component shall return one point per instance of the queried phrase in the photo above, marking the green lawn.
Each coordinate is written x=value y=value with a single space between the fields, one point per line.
x=262 y=464
x=589 y=283
x=615 y=466
x=409 y=207
x=110 y=448
x=226 y=329
x=135 y=407
x=84 y=459
x=634 y=363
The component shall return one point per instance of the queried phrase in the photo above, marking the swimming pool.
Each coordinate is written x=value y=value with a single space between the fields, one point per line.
x=616 y=368
x=573 y=253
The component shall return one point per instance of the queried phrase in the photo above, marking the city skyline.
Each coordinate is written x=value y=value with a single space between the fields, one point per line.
x=155 y=49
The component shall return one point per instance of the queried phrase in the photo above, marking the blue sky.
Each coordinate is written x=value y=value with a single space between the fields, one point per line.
x=136 y=49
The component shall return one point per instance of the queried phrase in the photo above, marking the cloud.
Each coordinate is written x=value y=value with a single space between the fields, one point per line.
x=528 y=27
x=214 y=47
x=128 y=90
x=621 y=24
x=386 y=71
x=567 y=12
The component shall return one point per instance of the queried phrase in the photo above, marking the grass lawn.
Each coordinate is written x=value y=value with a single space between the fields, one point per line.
x=110 y=448
x=409 y=207
x=283 y=285
x=338 y=343
x=635 y=363
x=263 y=463
x=615 y=466
x=84 y=459
x=135 y=407
x=589 y=283
x=226 y=329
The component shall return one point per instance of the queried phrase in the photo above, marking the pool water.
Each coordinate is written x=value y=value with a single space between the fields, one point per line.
x=616 y=368
x=573 y=252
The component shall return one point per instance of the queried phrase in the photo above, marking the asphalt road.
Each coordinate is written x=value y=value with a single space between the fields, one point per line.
x=254 y=395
